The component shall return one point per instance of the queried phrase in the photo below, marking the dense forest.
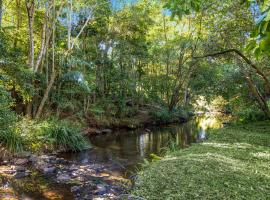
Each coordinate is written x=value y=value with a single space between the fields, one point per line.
x=70 y=69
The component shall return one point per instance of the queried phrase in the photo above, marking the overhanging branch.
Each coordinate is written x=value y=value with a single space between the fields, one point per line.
x=239 y=53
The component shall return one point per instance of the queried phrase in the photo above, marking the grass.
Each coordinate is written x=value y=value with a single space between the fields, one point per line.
x=42 y=136
x=233 y=164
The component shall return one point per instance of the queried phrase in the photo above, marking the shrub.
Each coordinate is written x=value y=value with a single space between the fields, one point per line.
x=10 y=139
x=163 y=115
x=52 y=135
x=66 y=138
x=250 y=114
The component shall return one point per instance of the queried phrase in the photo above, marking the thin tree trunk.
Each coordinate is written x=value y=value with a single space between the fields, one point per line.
x=43 y=40
x=253 y=89
x=1 y=12
x=69 y=21
x=18 y=24
x=53 y=74
x=30 y=7
x=259 y=98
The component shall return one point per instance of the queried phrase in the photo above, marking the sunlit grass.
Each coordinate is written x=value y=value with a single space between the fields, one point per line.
x=232 y=164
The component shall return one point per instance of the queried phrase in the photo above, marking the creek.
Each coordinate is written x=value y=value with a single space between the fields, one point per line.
x=122 y=152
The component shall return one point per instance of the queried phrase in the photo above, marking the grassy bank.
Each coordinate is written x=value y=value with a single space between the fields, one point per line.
x=233 y=164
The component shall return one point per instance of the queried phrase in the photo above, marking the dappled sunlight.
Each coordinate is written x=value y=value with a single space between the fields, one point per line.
x=225 y=162
x=209 y=122
x=52 y=195
x=228 y=145
x=264 y=155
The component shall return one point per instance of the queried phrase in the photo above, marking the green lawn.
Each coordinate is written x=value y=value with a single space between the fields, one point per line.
x=233 y=164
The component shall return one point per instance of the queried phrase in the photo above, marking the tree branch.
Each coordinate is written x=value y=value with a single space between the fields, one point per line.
x=239 y=53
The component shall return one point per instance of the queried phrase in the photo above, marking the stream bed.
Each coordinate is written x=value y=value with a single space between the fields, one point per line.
x=114 y=156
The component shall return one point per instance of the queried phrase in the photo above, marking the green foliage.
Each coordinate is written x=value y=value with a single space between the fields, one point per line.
x=183 y=7
x=249 y=114
x=10 y=139
x=163 y=115
x=65 y=138
x=51 y=135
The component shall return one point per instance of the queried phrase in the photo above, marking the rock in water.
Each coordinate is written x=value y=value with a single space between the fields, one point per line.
x=49 y=170
x=20 y=175
x=20 y=169
x=22 y=161
x=63 y=178
x=101 y=189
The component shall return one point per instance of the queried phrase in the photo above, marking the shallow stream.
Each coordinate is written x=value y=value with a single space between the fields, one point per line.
x=123 y=151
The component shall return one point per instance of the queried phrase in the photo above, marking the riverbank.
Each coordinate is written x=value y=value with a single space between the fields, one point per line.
x=142 y=118
x=232 y=164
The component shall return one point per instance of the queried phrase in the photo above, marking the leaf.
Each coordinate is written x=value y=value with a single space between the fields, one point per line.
x=257 y=52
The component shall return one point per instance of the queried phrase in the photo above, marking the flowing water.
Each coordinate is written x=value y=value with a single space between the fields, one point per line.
x=123 y=151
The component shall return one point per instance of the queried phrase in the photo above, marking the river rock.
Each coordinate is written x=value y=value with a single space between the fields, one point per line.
x=61 y=161
x=63 y=178
x=75 y=189
x=106 y=131
x=20 y=175
x=20 y=168
x=101 y=189
x=21 y=161
x=49 y=170
x=25 y=154
x=33 y=158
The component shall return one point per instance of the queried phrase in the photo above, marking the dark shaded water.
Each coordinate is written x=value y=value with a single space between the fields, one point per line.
x=122 y=151
x=125 y=150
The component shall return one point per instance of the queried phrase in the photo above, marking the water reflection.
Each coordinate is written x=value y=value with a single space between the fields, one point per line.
x=125 y=149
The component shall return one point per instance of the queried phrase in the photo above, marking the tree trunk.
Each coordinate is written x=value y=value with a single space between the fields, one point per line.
x=53 y=74
x=30 y=7
x=18 y=22
x=252 y=87
x=46 y=95
x=175 y=97
x=43 y=46
x=259 y=98
x=1 y=12
x=69 y=23
x=248 y=61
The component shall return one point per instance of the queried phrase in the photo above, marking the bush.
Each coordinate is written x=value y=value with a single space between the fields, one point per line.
x=66 y=138
x=163 y=115
x=250 y=114
x=10 y=140
x=52 y=135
